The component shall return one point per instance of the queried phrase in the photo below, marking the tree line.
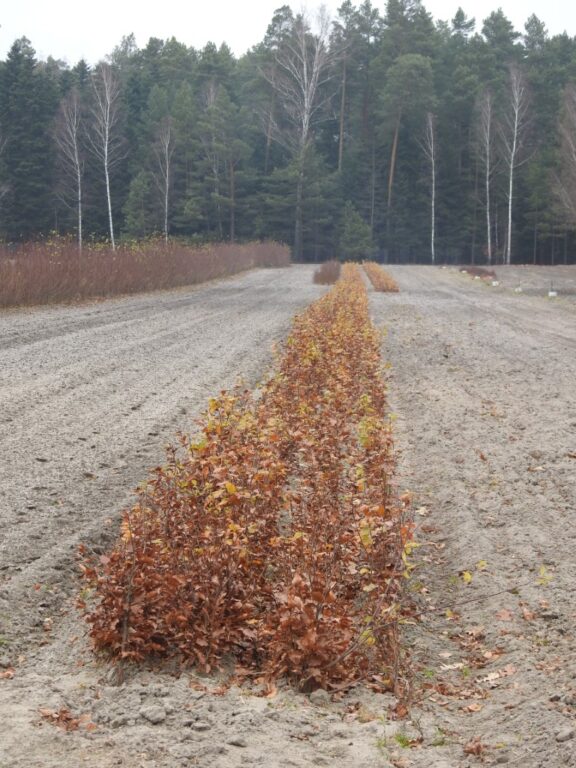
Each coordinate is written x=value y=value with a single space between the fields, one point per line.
x=385 y=135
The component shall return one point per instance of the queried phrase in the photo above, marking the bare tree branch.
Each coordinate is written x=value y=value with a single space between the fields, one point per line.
x=67 y=137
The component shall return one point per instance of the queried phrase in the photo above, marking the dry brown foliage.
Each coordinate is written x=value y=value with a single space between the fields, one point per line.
x=485 y=274
x=327 y=273
x=275 y=537
x=380 y=279
x=53 y=271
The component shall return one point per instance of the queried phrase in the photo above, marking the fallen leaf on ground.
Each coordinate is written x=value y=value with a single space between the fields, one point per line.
x=62 y=718
x=474 y=747
x=474 y=707
x=491 y=677
x=504 y=615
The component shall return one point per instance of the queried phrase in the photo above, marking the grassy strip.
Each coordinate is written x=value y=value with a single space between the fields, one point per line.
x=380 y=279
x=54 y=271
x=275 y=537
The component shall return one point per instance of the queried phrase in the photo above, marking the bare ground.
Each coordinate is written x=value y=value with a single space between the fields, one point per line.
x=483 y=386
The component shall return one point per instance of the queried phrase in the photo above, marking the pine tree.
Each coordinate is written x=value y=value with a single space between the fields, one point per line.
x=28 y=101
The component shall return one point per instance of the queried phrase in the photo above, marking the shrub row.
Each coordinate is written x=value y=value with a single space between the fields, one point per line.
x=275 y=536
x=380 y=279
x=54 y=271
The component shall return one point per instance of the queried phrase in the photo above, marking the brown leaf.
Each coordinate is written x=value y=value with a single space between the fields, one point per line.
x=504 y=615
x=474 y=747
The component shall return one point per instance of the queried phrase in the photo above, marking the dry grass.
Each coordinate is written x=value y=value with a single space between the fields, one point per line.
x=54 y=271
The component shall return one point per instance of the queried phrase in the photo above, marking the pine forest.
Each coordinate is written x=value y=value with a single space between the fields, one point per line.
x=377 y=134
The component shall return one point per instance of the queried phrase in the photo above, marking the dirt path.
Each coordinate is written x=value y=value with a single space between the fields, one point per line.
x=483 y=388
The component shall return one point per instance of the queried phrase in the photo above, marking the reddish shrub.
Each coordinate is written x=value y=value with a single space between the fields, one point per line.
x=55 y=271
x=276 y=536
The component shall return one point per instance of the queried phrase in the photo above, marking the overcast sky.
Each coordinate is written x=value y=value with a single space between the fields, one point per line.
x=67 y=29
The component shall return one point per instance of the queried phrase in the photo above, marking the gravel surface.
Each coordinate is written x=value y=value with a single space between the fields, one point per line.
x=482 y=386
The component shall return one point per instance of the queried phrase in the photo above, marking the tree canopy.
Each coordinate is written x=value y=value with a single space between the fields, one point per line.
x=317 y=136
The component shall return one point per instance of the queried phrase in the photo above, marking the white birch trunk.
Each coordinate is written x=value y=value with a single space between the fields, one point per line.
x=164 y=151
x=512 y=133
x=105 y=141
x=486 y=152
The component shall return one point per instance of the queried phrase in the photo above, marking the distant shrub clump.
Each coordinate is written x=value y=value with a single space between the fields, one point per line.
x=327 y=273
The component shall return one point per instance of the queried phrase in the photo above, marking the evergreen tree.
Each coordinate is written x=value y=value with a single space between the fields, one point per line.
x=356 y=238
x=28 y=102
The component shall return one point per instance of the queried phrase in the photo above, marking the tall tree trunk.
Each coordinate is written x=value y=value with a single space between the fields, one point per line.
x=488 y=222
x=298 y=226
x=474 y=216
x=342 y=112
x=166 y=204
x=391 y=180
x=516 y=125
x=430 y=150
x=79 y=206
x=109 y=197
x=372 y=190
x=232 y=202
x=510 y=198
x=269 y=135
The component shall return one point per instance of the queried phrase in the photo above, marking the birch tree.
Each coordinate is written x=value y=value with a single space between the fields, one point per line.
x=104 y=138
x=513 y=132
x=486 y=151
x=301 y=73
x=429 y=148
x=164 y=152
x=69 y=127
x=566 y=178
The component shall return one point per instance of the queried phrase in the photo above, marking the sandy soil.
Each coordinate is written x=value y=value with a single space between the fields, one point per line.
x=483 y=389
x=538 y=281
